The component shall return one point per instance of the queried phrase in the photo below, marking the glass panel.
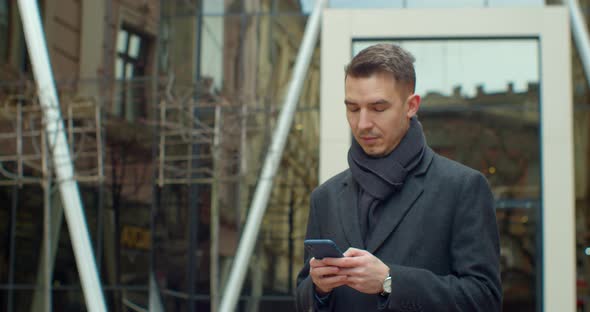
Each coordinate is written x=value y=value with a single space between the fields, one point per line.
x=3 y=11
x=22 y=300
x=582 y=180
x=135 y=238
x=3 y=29
x=119 y=98
x=128 y=71
x=119 y=66
x=68 y=300
x=212 y=50
x=480 y=106
x=28 y=240
x=463 y=68
x=122 y=41
x=213 y=7
x=255 y=79
x=134 y=44
x=129 y=100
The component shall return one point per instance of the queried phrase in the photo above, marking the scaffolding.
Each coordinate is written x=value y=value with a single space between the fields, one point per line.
x=25 y=158
x=203 y=144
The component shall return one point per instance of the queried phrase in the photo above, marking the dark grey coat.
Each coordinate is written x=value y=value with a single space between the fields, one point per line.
x=438 y=235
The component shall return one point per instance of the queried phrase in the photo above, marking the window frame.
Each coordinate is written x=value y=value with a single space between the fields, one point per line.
x=551 y=25
x=127 y=82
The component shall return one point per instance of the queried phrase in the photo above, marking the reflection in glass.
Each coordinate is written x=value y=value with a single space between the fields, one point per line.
x=119 y=69
x=121 y=40
x=134 y=46
x=3 y=29
x=480 y=106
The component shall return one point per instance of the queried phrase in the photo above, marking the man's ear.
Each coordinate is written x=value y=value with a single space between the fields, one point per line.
x=413 y=105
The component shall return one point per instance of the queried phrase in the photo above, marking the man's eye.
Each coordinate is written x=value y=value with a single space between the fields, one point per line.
x=379 y=108
x=352 y=108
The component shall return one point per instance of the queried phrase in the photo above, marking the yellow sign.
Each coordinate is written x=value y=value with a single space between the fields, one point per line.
x=136 y=237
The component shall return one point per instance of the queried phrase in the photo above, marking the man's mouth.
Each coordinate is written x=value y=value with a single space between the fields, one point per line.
x=369 y=139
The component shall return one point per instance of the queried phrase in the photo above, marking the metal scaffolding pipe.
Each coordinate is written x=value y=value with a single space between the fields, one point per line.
x=580 y=34
x=271 y=163
x=60 y=153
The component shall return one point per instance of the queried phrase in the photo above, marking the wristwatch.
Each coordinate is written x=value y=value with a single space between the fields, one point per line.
x=386 y=286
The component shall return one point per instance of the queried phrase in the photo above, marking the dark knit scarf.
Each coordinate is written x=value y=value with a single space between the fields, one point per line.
x=379 y=178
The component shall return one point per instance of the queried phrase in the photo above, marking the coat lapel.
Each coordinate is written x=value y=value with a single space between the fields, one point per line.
x=348 y=213
x=396 y=207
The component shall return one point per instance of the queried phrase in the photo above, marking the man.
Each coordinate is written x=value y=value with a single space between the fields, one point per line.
x=420 y=230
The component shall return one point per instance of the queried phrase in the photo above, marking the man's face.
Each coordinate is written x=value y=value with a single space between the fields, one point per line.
x=378 y=112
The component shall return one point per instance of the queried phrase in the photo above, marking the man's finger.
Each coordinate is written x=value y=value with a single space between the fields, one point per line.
x=353 y=271
x=316 y=263
x=354 y=252
x=325 y=270
x=345 y=262
x=332 y=281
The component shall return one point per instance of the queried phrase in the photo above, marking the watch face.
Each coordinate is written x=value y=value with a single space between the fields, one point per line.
x=387 y=285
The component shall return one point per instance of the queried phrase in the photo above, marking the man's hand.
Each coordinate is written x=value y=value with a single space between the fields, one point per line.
x=364 y=271
x=325 y=277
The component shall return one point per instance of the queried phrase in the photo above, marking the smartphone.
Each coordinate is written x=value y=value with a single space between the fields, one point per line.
x=322 y=248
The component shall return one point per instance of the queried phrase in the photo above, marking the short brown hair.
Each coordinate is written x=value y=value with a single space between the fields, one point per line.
x=384 y=57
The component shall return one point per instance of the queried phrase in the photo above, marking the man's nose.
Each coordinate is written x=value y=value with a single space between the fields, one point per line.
x=365 y=121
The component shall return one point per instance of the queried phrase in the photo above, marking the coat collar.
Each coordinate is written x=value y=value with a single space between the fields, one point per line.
x=397 y=206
